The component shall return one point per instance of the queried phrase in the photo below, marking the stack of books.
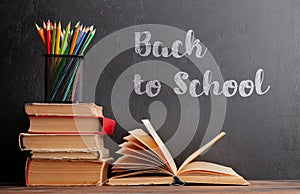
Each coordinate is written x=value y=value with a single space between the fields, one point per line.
x=66 y=144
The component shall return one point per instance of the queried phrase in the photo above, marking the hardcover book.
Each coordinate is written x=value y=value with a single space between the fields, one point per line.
x=60 y=142
x=71 y=154
x=72 y=118
x=66 y=172
x=70 y=124
x=63 y=109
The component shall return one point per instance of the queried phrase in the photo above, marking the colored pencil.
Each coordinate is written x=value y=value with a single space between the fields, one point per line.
x=88 y=42
x=79 y=35
x=41 y=34
x=53 y=38
x=64 y=43
x=48 y=38
x=62 y=73
x=57 y=40
x=85 y=45
x=73 y=43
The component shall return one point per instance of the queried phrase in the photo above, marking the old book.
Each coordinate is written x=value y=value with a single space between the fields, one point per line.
x=71 y=154
x=146 y=160
x=63 y=109
x=66 y=172
x=70 y=124
x=60 y=142
x=67 y=118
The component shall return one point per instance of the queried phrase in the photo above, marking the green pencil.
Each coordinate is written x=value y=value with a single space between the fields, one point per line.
x=64 y=43
x=88 y=41
x=53 y=38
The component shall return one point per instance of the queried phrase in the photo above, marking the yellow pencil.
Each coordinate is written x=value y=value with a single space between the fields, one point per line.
x=57 y=42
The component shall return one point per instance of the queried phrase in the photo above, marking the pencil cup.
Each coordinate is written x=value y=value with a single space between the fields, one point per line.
x=62 y=78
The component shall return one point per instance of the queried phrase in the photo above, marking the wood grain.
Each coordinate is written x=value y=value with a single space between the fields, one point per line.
x=257 y=187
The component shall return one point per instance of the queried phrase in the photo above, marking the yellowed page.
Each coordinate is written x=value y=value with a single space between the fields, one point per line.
x=127 y=168
x=147 y=180
x=132 y=141
x=144 y=172
x=139 y=154
x=207 y=167
x=201 y=150
x=152 y=145
x=217 y=180
x=162 y=146
x=210 y=173
x=133 y=161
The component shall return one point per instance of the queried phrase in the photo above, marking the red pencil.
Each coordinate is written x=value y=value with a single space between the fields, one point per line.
x=45 y=32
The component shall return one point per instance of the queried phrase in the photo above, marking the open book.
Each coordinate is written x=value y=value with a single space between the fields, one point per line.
x=146 y=161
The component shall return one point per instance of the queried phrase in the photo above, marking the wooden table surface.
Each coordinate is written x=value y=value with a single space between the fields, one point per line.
x=257 y=186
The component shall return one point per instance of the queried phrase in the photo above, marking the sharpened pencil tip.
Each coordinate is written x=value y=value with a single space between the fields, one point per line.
x=77 y=24
x=37 y=27
x=69 y=25
x=91 y=28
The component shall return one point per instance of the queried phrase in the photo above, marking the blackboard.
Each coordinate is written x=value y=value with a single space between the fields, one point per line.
x=242 y=37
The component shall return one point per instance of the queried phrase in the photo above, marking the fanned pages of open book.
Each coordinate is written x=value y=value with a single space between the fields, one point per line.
x=146 y=160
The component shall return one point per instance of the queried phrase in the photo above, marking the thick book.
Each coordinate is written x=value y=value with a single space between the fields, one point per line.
x=63 y=109
x=66 y=172
x=71 y=154
x=70 y=124
x=146 y=160
x=61 y=142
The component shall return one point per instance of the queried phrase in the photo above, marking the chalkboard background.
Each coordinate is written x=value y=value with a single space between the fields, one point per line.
x=263 y=136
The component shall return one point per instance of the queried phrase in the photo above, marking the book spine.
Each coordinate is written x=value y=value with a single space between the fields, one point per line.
x=27 y=167
x=108 y=125
x=66 y=132
x=64 y=116
x=103 y=174
x=21 y=143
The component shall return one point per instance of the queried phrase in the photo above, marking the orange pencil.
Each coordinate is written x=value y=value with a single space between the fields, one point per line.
x=41 y=34
x=74 y=38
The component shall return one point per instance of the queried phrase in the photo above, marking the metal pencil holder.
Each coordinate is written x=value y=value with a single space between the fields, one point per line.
x=62 y=78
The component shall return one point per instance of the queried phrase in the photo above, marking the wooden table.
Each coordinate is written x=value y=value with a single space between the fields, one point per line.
x=257 y=186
